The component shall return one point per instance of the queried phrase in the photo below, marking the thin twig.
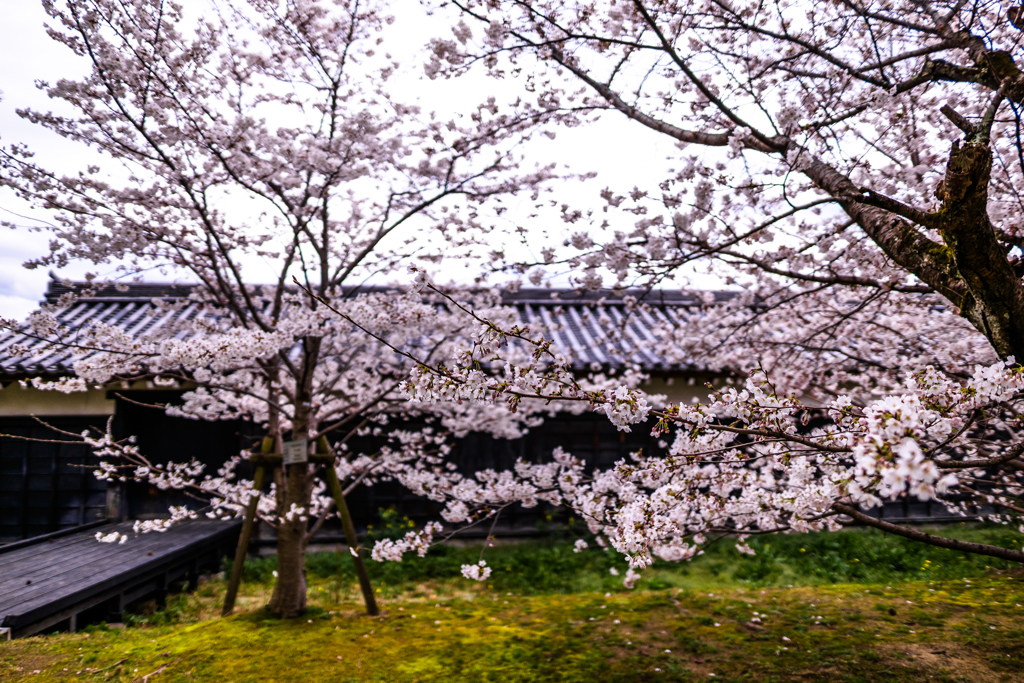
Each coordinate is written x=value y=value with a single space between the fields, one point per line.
x=114 y=665
x=145 y=679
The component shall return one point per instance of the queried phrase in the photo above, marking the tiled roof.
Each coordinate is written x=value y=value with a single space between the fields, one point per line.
x=596 y=328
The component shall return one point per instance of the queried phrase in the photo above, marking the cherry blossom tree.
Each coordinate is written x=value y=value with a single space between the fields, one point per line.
x=851 y=165
x=818 y=169
x=258 y=143
x=851 y=170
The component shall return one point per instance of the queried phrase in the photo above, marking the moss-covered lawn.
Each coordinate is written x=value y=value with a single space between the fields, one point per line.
x=821 y=607
x=941 y=631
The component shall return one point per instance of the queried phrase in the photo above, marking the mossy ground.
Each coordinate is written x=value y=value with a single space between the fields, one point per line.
x=681 y=624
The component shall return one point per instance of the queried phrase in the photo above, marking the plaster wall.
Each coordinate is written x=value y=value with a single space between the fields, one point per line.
x=677 y=389
x=16 y=401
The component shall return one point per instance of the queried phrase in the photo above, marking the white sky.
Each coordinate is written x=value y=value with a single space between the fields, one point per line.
x=626 y=156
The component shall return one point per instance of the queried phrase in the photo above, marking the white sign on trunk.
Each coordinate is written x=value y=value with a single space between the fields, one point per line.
x=296 y=452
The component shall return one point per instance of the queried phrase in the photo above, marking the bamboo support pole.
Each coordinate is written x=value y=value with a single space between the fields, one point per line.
x=350 y=532
x=246 y=534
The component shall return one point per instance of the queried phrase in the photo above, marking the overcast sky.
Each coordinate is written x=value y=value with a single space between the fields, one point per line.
x=627 y=155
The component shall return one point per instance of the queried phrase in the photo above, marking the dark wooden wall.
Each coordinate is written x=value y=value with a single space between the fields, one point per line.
x=46 y=487
x=589 y=437
x=164 y=439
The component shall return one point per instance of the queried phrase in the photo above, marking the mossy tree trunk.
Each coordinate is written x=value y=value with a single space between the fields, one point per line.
x=970 y=267
x=994 y=300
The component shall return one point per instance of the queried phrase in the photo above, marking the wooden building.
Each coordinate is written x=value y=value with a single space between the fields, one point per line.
x=46 y=483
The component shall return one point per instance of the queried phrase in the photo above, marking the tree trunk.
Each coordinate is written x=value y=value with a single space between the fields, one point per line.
x=995 y=304
x=970 y=269
x=289 y=598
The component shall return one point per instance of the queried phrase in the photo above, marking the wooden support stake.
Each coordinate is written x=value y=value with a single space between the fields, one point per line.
x=350 y=533
x=243 y=538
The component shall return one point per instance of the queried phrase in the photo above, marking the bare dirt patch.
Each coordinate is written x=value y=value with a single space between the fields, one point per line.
x=17 y=661
x=948 y=658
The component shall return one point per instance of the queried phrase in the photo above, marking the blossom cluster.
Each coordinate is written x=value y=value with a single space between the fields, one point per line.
x=747 y=461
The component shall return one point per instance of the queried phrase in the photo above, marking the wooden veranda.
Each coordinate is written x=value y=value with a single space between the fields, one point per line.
x=50 y=582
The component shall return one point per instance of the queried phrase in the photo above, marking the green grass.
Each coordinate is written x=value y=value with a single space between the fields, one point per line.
x=903 y=612
x=540 y=568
